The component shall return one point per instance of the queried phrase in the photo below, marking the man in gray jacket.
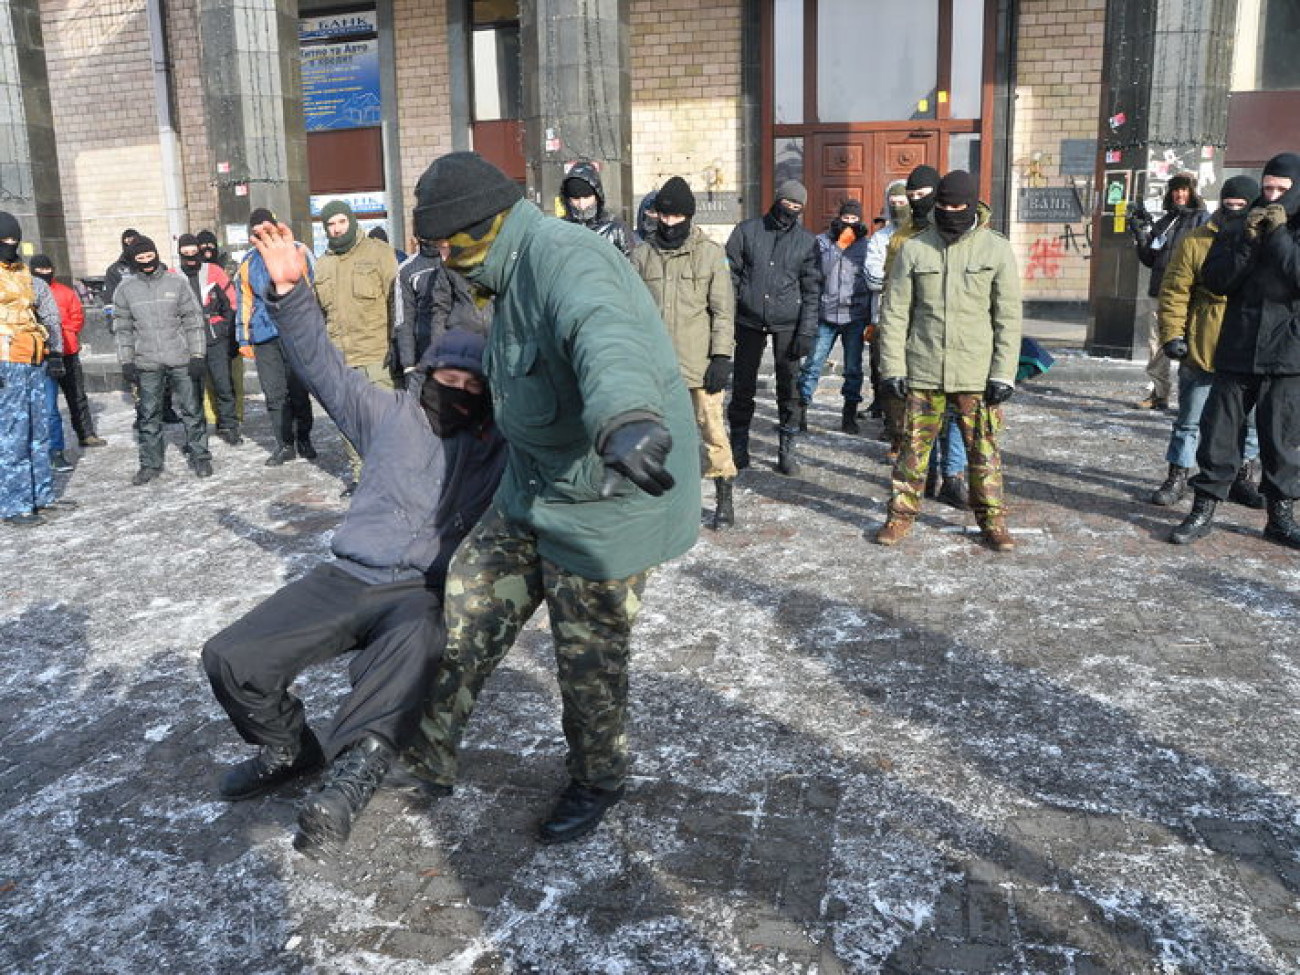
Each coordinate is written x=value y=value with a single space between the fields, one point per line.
x=158 y=325
x=433 y=459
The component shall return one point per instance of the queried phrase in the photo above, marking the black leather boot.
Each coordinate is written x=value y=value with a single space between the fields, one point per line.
x=740 y=447
x=849 y=418
x=1245 y=487
x=786 y=461
x=803 y=418
x=578 y=812
x=1281 y=527
x=1197 y=524
x=325 y=819
x=1174 y=488
x=953 y=492
x=282 y=455
x=724 y=514
x=272 y=767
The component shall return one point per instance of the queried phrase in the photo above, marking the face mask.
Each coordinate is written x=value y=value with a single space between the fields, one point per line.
x=921 y=208
x=584 y=214
x=343 y=243
x=429 y=249
x=651 y=224
x=146 y=268
x=467 y=252
x=208 y=254
x=1226 y=217
x=672 y=237
x=46 y=275
x=784 y=218
x=951 y=224
x=450 y=409
x=190 y=265
x=898 y=213
x=8 y=253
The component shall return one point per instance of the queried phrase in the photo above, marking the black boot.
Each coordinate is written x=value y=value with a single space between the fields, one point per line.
x=325 y=819
x=282 y=455
x=578 y=812
x=786 y=461
x=1174 y=489
x=953 y=492
x=305 y=449
x=1197 y=524
x=849 y=418
x=740 y=447
x=932 y=481
x=1281 y=527
x=724 y=514
x=271 y=767
x=1245 y=487
x=803 y=418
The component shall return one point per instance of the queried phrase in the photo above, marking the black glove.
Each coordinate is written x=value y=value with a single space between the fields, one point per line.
x=718 y=374
x=896 y=388
x=1176 y=349
x=197 y=369
x=54 y=366
x=801 y=345
x=637 y=450
x=130 y=374
x=997 y=393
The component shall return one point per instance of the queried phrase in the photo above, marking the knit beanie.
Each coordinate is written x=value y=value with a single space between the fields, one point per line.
x=41 y=261
x=851 y=208
x=456 y=349
x=958 y=188
x=206 y=237
x=260 y=216
x=141 y=245
x=186 y=240
x=792 y=190
x=9 y=226
x=921 y=177
x=675 y=198
x=1239 y=188
x=459 y=190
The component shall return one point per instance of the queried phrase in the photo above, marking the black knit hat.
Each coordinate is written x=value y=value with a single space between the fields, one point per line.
x=921 y=177
x=956 y=189
x=459 y=190
x=260 y=216
x=40 y=260
x=1239 y=188
x=9 y=226
x=128 y=234
x=456 y=349
x=206 y=237
x=186 y=240
x=851 y=208
x=141 y=245
x=675 y=198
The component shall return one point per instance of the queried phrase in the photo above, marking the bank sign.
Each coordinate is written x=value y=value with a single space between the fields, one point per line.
x=358 y=24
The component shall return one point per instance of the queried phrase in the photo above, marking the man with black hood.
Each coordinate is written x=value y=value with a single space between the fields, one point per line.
x=158 y=327
x=1184 y=211
x=119 y=269
x=778 y=283
x=946 y=347
x=584 y=203
x=216 y=296
x=211 y=252
x=72 y=317
x=1256 y=264
x=433 y=459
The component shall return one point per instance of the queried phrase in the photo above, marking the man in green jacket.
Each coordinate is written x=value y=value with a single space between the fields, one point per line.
x=688 y=278
x=950 y=338
x=602 y=482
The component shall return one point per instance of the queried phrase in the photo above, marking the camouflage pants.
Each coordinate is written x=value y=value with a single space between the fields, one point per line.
x=979 y=425
x=495 y=583
x=26 y=481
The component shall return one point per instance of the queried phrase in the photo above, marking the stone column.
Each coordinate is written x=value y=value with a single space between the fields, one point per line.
x=1165 y=80
x=577 y=95
x=253 y=105
x=29 y=156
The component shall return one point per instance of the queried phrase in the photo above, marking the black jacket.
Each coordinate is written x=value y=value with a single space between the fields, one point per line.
x=777 y=276
x=1261 y=279
x=1156 y=243
x=603 y=223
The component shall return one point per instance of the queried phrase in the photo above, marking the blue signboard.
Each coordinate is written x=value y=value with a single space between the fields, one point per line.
x=340 y=85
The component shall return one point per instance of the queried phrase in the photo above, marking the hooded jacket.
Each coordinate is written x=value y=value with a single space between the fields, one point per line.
x=878 y=243
x=253 y=322
x=563 y=364
x=157 y=321
x=1156 y=243
x=691 y=286
x=1187 y=308
x=419 y=495
x=777 y=276
x=607 y=226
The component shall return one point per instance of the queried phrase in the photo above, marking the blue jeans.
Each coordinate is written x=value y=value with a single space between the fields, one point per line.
x=1193 y=391
x=950 y=449
x=850 y=336
x=52 y=411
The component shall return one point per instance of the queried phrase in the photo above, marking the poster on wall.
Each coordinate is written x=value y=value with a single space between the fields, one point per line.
x=1115 y=190
x=340 y=85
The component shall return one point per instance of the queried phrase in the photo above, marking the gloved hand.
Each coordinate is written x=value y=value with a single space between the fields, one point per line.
x=130 y=374
x=1176 y=349
x=896 y=388
x=718 y=374
x=197 y=368
x=1274 y=217
x=637 y=450
x=54 y=367
x=996 y=393
x=801 y=345
x=1254 y=219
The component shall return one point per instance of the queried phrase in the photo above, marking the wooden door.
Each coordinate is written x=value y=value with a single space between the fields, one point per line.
x=859 y=164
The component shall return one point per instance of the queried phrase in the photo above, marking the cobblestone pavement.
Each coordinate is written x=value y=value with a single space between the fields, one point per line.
x=1079 y=757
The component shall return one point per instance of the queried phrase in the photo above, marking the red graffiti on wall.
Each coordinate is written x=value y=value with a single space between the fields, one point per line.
x=1045 y=256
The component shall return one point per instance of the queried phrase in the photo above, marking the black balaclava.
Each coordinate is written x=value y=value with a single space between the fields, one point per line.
x=42 y=267
x=1287 y=164
x=190 y=265
x=848 y=208
x=957 y=188
x=576 y=187
x=448 y=409
x=128 y=235
x=142 y=245
x=674 y=199
x=795 y=192
x=208 y=248
x=1236 y=188
x=919 y=178
x=9 y=227
x=430 y=249
x=645 y=223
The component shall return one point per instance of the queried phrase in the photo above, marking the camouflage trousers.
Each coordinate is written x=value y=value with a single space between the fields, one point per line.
x=495 y=583
x=26 y=480
x=979 y=425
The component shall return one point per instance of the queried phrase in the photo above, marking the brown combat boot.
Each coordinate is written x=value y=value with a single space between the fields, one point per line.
x=996 y=534
x=895 y=529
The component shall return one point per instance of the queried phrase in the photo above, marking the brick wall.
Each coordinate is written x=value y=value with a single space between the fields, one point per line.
x=423 y=88
x=686 y=94
x=186 y=63
x=1058 y=81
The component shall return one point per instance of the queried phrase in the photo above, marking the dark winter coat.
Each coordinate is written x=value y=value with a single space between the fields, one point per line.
x=429 y=299
x=157 y=321
x=1261 y=279
x=1156 y=243
x=417 y=498
x=777 y=276
x=603 y=223
x=845 y=296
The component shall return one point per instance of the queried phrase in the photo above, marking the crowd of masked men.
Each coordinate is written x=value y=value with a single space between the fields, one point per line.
x=620 y=367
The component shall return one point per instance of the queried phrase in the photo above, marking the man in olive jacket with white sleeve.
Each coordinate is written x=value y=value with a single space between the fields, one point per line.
x=950 y=337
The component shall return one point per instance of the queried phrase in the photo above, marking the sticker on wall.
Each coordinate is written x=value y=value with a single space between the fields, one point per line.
x=1115 y=189
x=223 y=168
x=1114 y=156
x=1116 y=120
x=241 y=189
